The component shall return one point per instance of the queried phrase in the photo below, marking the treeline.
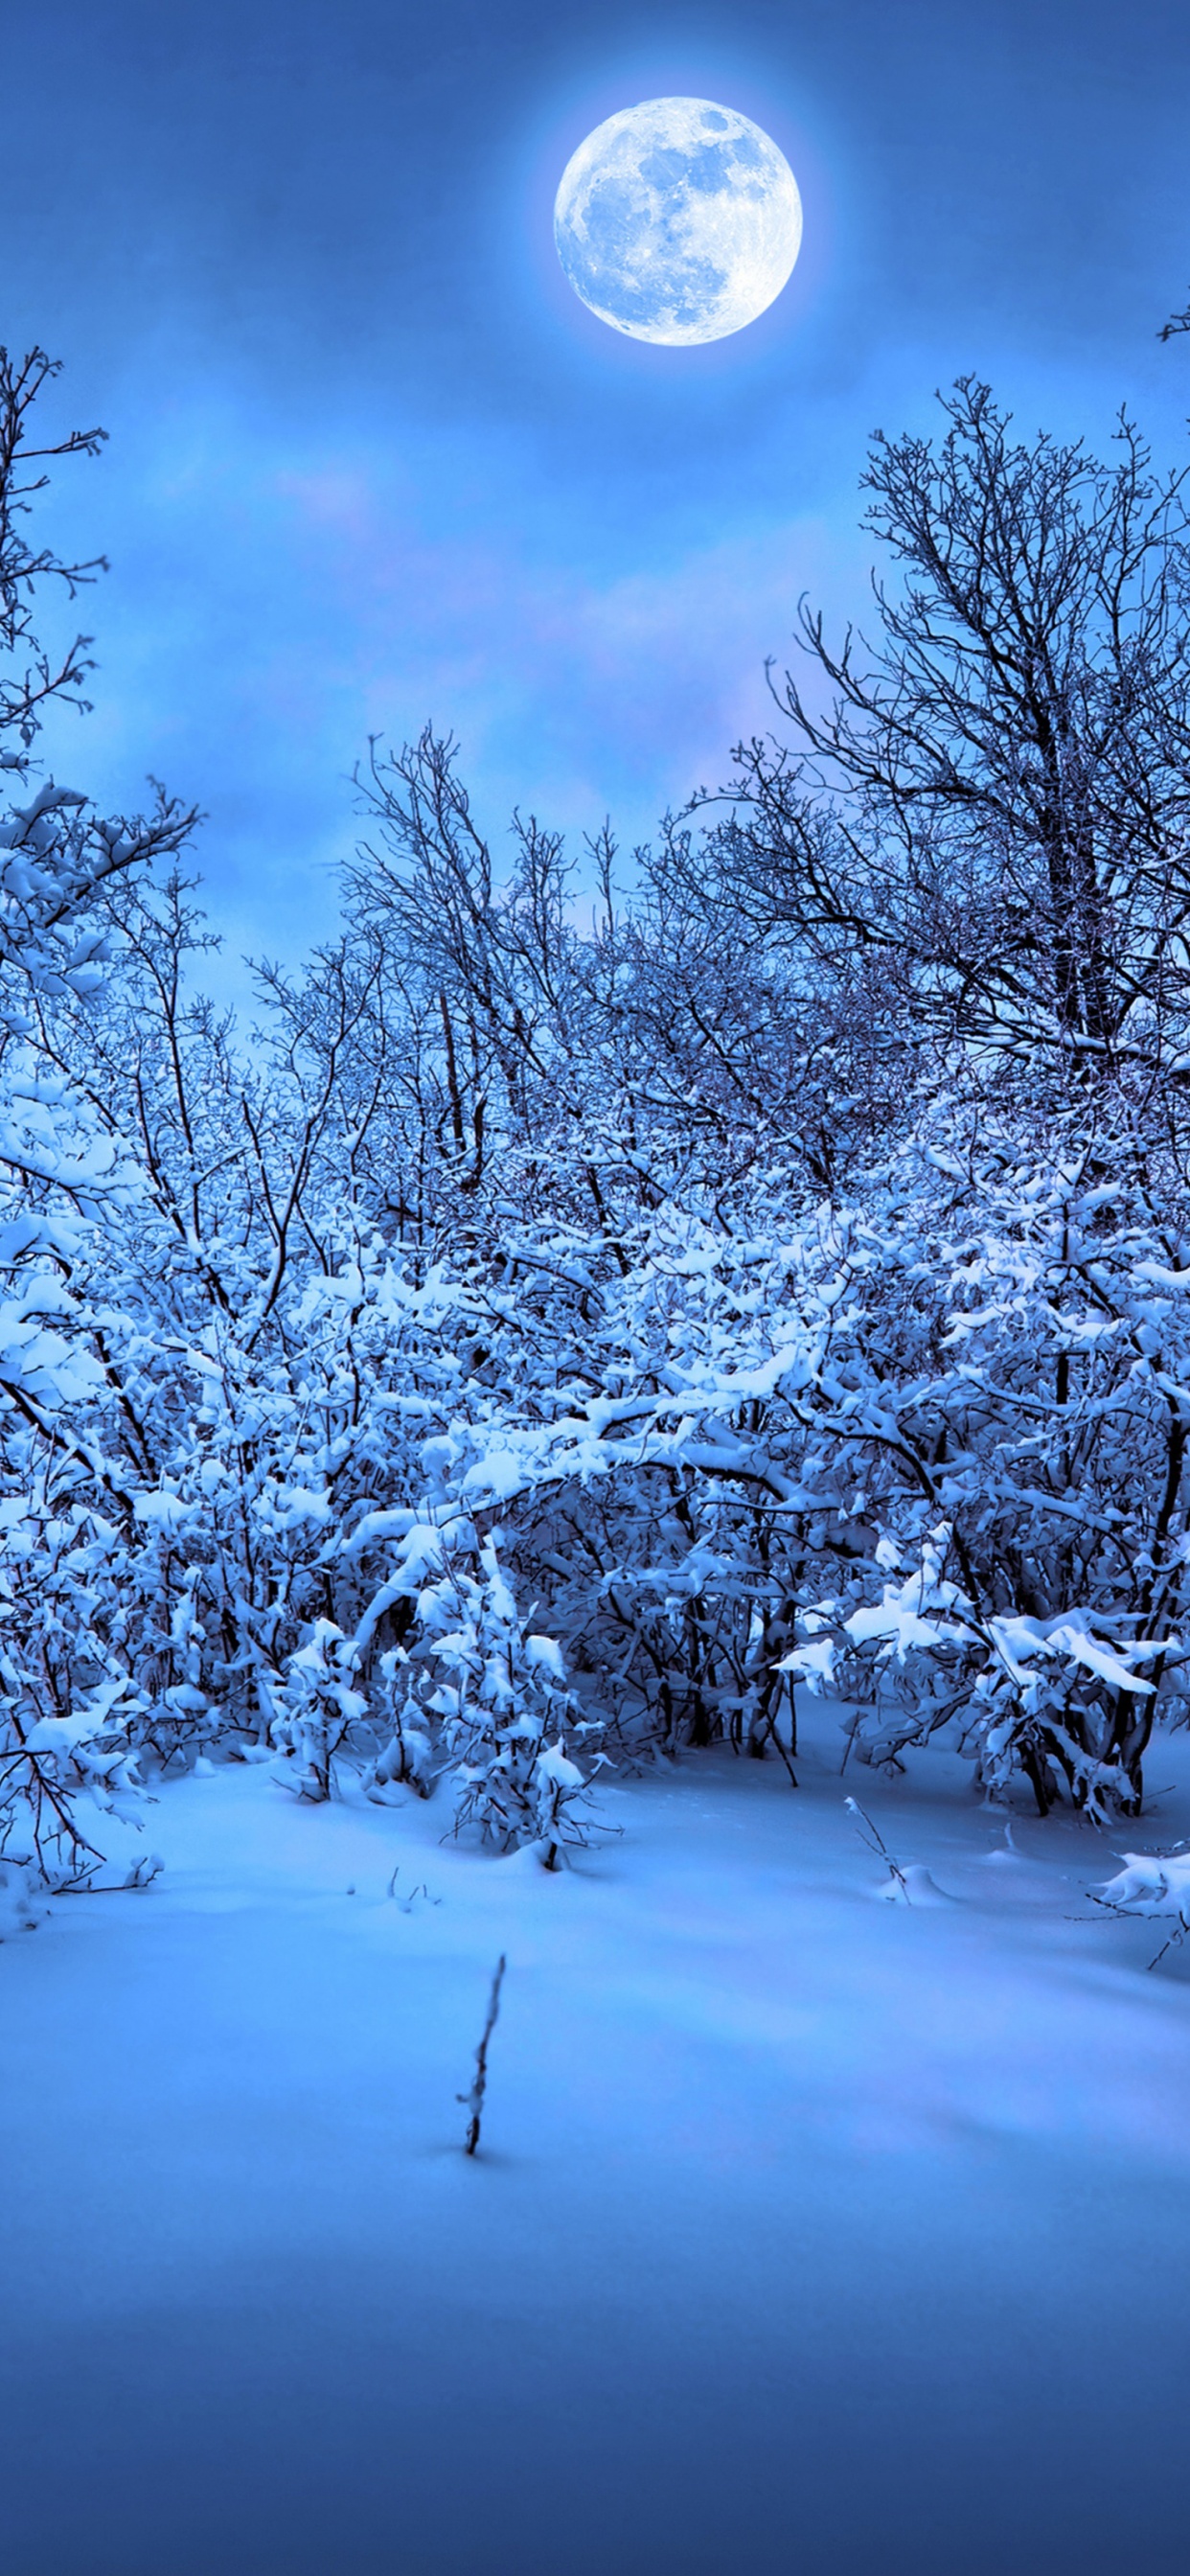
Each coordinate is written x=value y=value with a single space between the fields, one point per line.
x=576 y=1324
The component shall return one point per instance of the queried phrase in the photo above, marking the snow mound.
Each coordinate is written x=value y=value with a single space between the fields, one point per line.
x=913 y=1886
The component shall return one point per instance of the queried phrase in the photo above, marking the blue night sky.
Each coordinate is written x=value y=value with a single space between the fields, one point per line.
x=371 y=460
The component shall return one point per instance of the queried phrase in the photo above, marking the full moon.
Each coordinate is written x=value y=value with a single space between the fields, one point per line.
x=678 y=221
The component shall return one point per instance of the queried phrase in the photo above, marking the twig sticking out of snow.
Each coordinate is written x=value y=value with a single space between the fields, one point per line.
x=407 y=1903
x=474 y=2099
x=871 y=1835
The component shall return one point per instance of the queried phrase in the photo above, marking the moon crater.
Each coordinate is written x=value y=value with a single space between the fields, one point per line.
x=678 y=221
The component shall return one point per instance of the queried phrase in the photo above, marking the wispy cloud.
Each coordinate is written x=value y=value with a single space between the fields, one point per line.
x=269 y=612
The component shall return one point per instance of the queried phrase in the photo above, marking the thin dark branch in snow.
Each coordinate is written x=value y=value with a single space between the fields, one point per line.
x=474 y=2100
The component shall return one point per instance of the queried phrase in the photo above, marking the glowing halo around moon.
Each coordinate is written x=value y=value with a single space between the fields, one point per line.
x=678 y=221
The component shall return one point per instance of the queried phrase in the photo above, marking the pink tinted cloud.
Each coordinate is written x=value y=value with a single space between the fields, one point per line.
x=572 y=690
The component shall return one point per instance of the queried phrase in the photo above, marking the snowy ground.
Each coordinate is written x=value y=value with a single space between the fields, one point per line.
x=810 y=2232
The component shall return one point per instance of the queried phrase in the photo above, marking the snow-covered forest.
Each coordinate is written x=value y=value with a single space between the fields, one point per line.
x=573 y=1326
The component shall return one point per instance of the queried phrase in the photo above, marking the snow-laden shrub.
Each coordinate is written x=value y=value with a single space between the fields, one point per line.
x=1014 y=1394
x=1154 y=1885
x=508 y=1722
x=406 y=1755
x=1026 y=1692
x=316 y=1707
x=73 y=1716
x=1151 y=1883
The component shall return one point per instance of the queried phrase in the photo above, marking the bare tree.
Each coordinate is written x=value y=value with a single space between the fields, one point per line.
x=997 y=799
x=1177 y=322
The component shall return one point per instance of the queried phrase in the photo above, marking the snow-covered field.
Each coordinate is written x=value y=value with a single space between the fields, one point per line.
x=809 y=2231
